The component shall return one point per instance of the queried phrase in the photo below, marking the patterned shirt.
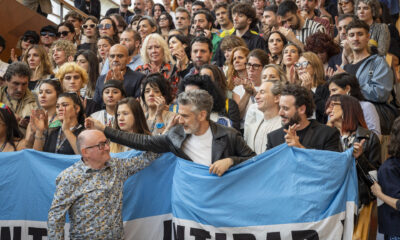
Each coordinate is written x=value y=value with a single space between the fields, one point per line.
x=310 y=27
x=93 y=198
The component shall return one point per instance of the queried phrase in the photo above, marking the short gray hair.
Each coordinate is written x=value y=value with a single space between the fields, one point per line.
x=276 y=88
x=200 y=99
x=20 y=69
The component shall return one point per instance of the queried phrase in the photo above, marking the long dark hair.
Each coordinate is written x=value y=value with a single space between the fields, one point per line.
x=344 y=79
x=93 y=71
x=352 y=112
x=77 y=101
x=12 y=129
x=157 y=80
x=140 y=124
x=171 y=24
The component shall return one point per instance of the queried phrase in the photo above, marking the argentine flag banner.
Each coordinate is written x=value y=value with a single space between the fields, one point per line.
x=284 y=193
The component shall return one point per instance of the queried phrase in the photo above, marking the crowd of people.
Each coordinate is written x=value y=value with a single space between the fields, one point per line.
x=214 y=82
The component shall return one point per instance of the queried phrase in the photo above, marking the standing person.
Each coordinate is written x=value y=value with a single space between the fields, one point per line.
x=16 y=95
x=244 y=17
x=256 y=130
x=195 y=138
x=71 y=195
x=129 y=118
x=296 y=107
x=388 y=188
x=121 y=10
x=295 y=28
x=39 y=63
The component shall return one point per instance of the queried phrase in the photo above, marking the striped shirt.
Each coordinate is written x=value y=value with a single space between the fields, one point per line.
x=310 y=27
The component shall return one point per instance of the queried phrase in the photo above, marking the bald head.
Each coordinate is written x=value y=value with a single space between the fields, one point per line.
x=88 y=138
x=118 y=56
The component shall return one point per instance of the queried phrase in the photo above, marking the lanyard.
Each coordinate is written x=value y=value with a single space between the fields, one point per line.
x=59 y=143
x=3 y=146
x=11 y=104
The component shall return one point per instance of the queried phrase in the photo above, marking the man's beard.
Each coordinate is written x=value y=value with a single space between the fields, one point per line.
x=297 y=26
x=293 y=120
x=137 y=11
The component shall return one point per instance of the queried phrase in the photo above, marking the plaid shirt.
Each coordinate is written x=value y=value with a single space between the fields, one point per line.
x=93 y=198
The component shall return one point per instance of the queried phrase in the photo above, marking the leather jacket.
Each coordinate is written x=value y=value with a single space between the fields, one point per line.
x=226 y=142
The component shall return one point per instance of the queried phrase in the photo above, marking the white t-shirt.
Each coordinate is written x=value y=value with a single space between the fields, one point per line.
x=198 y=148
x=104 y=117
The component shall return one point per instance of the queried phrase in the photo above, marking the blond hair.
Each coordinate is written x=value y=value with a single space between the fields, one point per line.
x=163 y=44
x=45 y=67
x=67 y=46
x=316 y=64
x=279 y=69
x=72 y=67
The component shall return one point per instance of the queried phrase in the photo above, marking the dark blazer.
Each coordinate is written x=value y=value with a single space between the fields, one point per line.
x=226 y=143
x=95 y=7
x=132 y=84
x=318 y=136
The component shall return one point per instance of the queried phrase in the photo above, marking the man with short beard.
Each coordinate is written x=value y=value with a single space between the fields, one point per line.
x=182 y=20
x=296 y=107
x=201 y=53
x=308 y=12
x=295 y=28
x=122 y=10
x=138 y=6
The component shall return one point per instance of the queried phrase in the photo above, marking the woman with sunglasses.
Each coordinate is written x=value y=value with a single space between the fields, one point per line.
x=275 y=43
x=88 y=61
x=291 y=54
x=107 y=27
x=104 y=45
x=38 y=61
x=10 y=135
x=89 y=34
x=60 y=139
x=73 y=78
x=28 y=39
x=345 y=7
x=146 y=26
x=311 y=75
x=166 y=24
x=346 y=115
x=66 y=31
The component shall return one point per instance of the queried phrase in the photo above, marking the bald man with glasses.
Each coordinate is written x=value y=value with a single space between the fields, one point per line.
x=91 y=190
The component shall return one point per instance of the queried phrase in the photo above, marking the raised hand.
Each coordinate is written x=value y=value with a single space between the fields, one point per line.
x=91 y=123
x=161 y=106
x=291 y=137
x=358 y=148
x=306 y=80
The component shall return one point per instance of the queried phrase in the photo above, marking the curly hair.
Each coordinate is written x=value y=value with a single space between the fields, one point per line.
x=394 y=145
x=232 y=41
x=157 y=80
x=320 y=43
x=67 y=46
x=163 y=44
x=373 y=4
x=72 y=67
x=302 y=97
x=44 y=67
x=232 y=73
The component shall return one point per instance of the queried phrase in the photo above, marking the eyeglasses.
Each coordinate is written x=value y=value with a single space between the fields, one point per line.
x=29 y=40
x=50 y=34
x=63 y=33
x=254 y=66
x=333 y=104
x=104 y=26
x=302 y=64
x=101 y=145
x=88 y=25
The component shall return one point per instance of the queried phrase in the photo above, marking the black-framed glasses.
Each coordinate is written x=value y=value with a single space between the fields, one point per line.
x=29 y=40
x=104 y=26
x=50 y=34
x=89 y=25
x=63 y=33
x=101 y=145
x=301 y=64
x=254 y=66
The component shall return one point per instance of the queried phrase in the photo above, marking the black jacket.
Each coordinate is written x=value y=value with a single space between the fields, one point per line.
x=132 y=84
x=318 y=136
x=226 y=143
x=94 y=7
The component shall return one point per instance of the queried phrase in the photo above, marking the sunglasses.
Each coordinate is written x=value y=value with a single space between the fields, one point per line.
x=302 y=64
x=50 y=34
x=63 y=33
x=104 y=26
x=88 y=25
x=29 y=40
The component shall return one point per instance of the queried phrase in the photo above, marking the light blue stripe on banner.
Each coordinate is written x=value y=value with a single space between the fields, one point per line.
x=283 y=185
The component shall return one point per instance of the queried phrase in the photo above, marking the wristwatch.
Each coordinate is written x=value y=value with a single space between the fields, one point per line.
x=160 y=125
